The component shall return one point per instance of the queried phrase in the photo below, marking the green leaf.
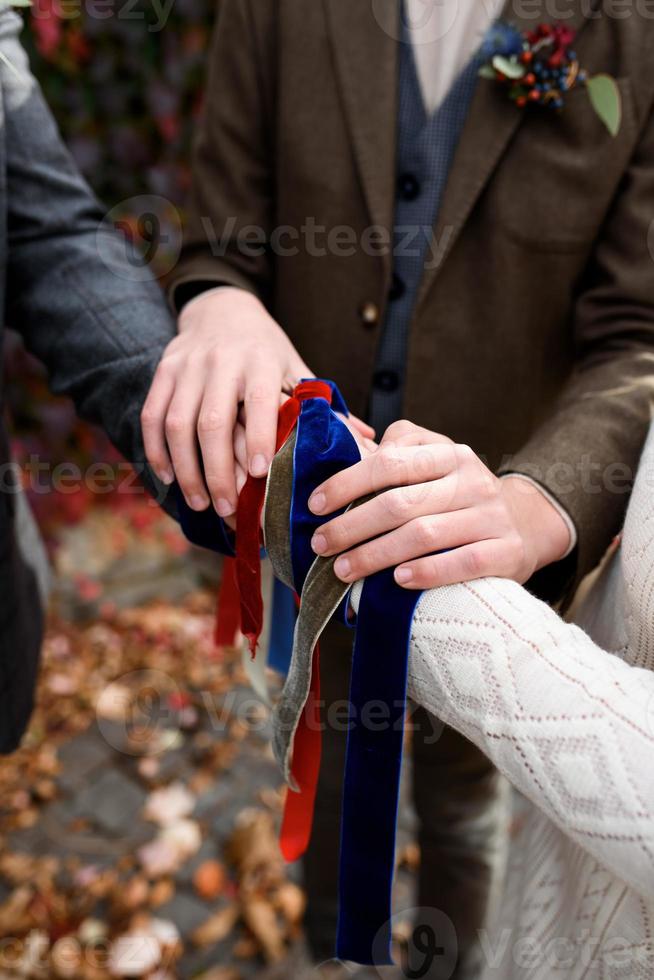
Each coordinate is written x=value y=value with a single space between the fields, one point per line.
x=487 y=72
x=510 y=67
x=606 y=101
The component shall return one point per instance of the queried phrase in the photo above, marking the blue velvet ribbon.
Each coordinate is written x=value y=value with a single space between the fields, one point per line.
x=323 y=447
x=372 y=769
x=282 y=627
x=204 y=528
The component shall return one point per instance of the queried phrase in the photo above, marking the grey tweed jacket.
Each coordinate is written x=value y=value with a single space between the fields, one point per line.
x=67 y=286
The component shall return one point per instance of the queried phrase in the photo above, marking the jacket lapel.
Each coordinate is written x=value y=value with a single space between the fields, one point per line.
x=364 y=34
x=492 y=121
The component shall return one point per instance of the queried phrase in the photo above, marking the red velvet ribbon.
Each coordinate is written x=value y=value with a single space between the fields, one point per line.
x=297 y=821
x=240 y=601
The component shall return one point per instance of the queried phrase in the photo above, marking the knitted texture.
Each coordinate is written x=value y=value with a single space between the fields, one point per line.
x=569 y=720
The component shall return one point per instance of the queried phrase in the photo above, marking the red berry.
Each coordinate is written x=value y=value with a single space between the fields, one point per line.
x=534 y=95
x=530 y=79
x=521 y=101
x=527 y=57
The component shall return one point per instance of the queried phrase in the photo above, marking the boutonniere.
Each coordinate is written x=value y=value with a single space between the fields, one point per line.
x=541 y=67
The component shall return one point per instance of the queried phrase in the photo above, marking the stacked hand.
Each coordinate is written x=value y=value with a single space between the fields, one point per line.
x=435 y=496
x=440 y=516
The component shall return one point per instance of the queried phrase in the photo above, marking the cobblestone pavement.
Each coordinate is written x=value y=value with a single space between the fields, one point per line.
x=139 y=822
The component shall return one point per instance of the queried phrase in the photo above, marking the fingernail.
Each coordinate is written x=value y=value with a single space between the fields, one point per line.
x=224 y=508
x=343 y=568
x=258 y=465
x=198 y=502
x=403 y=576
x=319 y=544
x=317 y=503
x=166 y=477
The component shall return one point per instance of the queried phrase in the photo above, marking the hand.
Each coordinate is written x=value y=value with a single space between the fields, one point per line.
x=436 y=495
x=230 y=361
x=229 y=351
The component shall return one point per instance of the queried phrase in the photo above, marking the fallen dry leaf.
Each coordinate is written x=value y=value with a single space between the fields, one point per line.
x=209 y=880
x=217 y=927
x=261 y=919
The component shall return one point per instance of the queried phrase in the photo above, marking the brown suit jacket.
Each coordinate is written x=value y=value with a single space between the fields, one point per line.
x=533 y=335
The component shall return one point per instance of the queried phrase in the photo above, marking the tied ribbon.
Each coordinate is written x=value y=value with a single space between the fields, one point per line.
x=240 y=600
x=240 y=604
x=320 y=446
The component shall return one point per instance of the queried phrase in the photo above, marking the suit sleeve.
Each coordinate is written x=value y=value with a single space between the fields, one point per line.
x=230 y=214
x=95 y=320
x=586 y=453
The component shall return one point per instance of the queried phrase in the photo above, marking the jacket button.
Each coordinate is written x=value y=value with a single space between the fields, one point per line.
x=386 y=380
x=369 y=313
x=398 y=288
x=408 y=187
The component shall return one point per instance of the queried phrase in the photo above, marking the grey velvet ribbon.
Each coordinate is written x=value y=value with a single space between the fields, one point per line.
x=321 y=596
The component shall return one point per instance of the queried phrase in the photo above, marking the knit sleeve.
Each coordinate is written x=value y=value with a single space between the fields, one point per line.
x=569 y=724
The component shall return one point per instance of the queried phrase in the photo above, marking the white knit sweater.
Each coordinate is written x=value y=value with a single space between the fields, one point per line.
x=567 y=716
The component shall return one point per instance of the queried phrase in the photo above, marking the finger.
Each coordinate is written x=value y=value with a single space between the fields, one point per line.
x=240 y=448
x=472 y=561
x=241 y=475
x=388 y=467
x=297 y=370
x=261 y=408
x=405 y=433
x=413 y=540
x=386 y=512
x=153 y=417
x=216 y=421
x=362 y=427
x=180 y=427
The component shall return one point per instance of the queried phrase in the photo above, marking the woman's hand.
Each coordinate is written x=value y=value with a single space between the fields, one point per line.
x=436 y=496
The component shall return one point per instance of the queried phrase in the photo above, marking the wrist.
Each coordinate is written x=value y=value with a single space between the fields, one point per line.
x=545 y=533
x=215 y=301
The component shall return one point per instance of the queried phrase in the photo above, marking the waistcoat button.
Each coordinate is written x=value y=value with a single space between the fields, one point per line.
x=386 y=380
x=369 y=313
x=408 y=187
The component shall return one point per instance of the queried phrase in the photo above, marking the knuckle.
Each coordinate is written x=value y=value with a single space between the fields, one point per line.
x=464 y=454
x=397 y=504
x=166 y=366
x=425 y=533
x=517 y=548
x=258 y=394
x=400 y=429
x=150 y=417
x=486 y=488
x=211 y=421
x=389 y=463
x=473 y=563
x=176 y=423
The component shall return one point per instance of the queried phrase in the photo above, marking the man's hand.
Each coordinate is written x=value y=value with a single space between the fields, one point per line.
x=219 y=384
x=229 y=352
x=436 y=495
